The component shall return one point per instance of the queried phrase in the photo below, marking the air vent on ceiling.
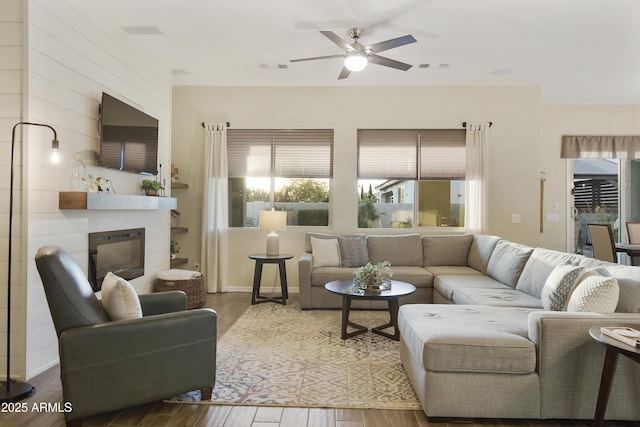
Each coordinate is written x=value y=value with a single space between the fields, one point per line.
x=273 y=66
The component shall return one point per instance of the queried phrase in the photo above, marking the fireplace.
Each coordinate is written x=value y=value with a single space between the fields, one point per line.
x=119 y=251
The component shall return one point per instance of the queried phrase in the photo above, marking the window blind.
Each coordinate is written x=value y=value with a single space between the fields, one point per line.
x=434 y=154
x=296 y=153
x=387 y=154
x=442 y=154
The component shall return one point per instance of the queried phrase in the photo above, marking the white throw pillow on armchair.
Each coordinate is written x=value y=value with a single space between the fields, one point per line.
x=119 y=298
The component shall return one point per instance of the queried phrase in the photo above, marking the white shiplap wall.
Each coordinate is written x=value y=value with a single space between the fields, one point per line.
x=69 y=63
x=11 y=71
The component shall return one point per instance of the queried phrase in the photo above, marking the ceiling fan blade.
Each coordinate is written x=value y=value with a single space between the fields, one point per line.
x=344 y=73
x=421 y=33
x=316 y=58
x=381 y=60
x=337 y=40
x=390 y=44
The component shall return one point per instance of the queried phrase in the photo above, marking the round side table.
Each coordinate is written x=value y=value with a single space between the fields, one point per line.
x=613 y=349
x=260 y=260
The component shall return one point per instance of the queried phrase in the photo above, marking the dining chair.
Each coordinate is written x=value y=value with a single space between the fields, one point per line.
x=604 y=247
x=633 y=232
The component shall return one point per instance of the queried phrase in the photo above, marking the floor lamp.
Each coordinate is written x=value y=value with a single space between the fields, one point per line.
x=13 y=391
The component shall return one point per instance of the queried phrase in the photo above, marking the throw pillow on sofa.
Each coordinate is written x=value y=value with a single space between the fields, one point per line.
x=595 y=293
x=559 y=286
x=119 y=298
x=353 y=251
x=325 y=252
x=507 y=262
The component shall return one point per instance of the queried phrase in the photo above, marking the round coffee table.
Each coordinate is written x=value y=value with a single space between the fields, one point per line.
x=344 y=288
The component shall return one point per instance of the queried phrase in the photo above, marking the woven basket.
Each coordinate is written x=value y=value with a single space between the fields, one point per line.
x=194 y=288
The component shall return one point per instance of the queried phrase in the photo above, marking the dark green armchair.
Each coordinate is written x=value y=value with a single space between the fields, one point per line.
x=110 y=365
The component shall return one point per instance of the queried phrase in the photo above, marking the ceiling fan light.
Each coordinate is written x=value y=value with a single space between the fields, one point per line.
x=356 y=61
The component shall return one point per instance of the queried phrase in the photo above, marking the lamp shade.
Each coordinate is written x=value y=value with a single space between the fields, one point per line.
x=356 y=61
x=273 y=220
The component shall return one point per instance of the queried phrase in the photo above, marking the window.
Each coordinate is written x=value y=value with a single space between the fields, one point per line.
x=408 y=177
x=288 y=170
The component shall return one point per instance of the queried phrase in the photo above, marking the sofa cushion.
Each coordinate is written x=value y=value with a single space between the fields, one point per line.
x=480 y=251
x=324 y=275
x=353 y=251
x=538 y=268
x=447 y=284
x=417 y=276
x=507 y=262
x=325 y=252
x=495 y=297
x=403 y=249
x=559 y=286
x=595 y=293
x=441 y=270
x=446 y=250
x=468 y=338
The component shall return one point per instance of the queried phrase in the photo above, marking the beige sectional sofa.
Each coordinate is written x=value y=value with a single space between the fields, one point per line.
x=500 y=330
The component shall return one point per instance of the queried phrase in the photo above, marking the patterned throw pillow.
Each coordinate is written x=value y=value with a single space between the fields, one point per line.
x=596 y=294
x=326 y=252
x=353 y=251
x=559 y=285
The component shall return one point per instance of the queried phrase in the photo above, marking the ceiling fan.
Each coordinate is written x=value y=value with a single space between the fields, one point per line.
x=357 y=56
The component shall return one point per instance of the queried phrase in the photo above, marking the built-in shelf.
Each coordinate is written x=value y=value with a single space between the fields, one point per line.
x=178 y=261
x=179 y=230
x=106 y=201
x=179 y=185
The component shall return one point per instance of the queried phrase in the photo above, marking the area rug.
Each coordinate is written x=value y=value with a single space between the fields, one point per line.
x=279 y=355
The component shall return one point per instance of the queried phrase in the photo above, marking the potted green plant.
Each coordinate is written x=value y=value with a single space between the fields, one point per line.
x=174 y=249
x=151 y=187
x=369 y=276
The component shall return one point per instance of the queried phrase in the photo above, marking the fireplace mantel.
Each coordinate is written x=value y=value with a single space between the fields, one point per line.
x=106 y=201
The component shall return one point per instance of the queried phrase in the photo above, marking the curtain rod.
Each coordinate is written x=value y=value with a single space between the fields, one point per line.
x=228 y=124
x=464 y=124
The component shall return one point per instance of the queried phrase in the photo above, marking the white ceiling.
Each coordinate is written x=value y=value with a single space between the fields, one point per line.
x=577 y=51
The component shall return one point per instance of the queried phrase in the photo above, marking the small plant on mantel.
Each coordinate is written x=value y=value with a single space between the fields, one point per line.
x=151 y=187
x=174 y=249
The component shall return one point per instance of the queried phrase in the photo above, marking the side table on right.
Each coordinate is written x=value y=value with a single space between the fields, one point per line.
x=613 y=349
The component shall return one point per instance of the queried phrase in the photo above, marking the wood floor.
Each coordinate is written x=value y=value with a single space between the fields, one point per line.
x=229 y=307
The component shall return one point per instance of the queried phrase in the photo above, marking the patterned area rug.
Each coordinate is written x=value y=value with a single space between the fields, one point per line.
x=282 y=356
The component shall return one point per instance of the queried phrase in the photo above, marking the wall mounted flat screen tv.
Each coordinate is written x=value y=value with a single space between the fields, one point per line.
x=128 y=137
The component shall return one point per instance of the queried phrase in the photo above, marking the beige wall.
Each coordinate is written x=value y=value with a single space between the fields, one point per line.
x=11 y=108
x=558 y=120
x=513 y=157
x=68 y=63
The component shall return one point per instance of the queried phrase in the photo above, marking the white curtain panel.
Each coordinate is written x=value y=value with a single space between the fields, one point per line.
x=475 y=216
x=215 y=217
